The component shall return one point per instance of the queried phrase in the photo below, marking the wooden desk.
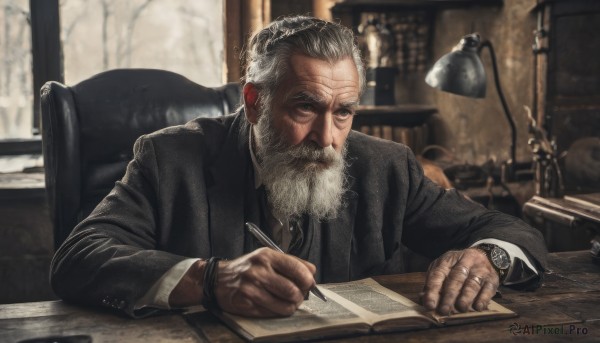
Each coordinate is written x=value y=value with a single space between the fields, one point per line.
x=568 y=300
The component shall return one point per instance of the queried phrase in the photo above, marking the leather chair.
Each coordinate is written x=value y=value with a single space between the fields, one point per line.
x=88 y=131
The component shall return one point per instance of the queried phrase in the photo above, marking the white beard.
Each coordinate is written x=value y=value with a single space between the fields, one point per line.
x=302 y=179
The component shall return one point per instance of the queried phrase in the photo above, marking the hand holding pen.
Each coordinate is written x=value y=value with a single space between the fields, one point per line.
x=266 y=241
x=262 y=283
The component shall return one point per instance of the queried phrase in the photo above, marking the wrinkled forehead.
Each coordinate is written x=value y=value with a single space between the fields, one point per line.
x=321 y=77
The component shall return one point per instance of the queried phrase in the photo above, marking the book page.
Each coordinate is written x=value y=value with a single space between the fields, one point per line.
x=313 y=315
x=352 y=307
x=372 y=301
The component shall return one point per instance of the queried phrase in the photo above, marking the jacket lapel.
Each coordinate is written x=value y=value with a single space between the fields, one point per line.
x=226 y=194
x=337 y=244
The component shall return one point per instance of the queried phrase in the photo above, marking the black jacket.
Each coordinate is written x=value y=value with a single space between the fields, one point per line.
x=189 y=190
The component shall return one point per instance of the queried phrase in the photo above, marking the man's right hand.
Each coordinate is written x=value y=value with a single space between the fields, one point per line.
x=263 y=283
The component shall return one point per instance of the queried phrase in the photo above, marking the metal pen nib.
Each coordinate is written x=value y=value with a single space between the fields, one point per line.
x=317 y=292
x=266 y=241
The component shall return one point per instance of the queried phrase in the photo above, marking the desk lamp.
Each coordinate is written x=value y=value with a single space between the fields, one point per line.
x=461 y=72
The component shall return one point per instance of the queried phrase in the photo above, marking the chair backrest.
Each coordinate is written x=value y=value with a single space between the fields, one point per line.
x=88 y=131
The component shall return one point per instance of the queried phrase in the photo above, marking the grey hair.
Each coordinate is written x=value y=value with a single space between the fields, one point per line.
x=270 y=50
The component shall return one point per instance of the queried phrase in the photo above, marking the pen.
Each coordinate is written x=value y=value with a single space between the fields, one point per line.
x=266 y=241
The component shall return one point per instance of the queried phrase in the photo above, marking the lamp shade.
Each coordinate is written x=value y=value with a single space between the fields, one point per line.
x=460 y=71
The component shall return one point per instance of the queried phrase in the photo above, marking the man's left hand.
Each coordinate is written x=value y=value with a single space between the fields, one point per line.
x=460 y=281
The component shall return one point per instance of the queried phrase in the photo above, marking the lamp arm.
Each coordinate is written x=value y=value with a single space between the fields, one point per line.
x=511 y=121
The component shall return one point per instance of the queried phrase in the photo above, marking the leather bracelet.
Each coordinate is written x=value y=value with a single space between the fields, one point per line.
x=210 y=281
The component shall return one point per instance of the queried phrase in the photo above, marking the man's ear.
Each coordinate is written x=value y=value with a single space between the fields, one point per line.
x=251 y=103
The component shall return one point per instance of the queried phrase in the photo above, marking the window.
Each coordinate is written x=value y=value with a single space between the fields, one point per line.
x=183 y=36
x=16 y=91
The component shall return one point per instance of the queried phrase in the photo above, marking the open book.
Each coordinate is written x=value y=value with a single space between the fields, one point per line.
x=356 y=307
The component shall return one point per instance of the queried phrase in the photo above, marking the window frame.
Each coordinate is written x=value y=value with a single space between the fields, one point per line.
x=46 y=66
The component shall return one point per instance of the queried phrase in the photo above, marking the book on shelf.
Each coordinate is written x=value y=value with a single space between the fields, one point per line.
x=415 y=137
x=356 y=307
x=376 y=131
x=419 y=139
x=366 y=129
x=403 y=135
x=386 y=132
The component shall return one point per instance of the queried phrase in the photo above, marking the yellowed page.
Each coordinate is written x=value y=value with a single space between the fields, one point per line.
x=373 y=302
x=313 y=317
x=370 y=302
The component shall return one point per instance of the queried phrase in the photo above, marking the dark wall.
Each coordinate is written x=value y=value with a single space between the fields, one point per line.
x=572 y=101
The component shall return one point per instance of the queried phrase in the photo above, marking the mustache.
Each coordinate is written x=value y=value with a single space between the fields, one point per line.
x=303 y=156
x=311 y=152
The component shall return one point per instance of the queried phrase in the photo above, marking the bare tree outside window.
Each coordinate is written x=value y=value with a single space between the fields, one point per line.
x=16 y=95
x=184 y=36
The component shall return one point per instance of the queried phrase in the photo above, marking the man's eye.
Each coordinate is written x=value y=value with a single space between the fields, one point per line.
x=345 y=113
x=306 y=107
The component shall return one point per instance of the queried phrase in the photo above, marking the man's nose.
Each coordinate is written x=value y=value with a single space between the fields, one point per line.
x=322 y=133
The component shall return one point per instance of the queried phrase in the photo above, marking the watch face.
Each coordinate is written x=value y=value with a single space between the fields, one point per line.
x=500 y=258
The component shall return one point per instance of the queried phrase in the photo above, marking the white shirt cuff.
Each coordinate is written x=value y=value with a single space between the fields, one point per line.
x=514 y=252
x=158 y=295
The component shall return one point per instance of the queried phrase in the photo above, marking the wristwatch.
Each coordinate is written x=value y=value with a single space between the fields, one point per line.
x=498 y=258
